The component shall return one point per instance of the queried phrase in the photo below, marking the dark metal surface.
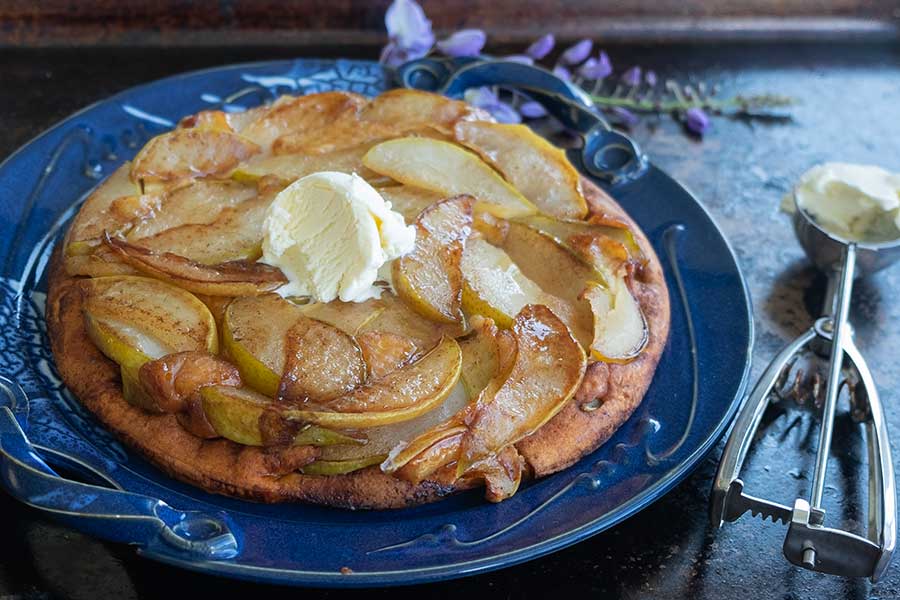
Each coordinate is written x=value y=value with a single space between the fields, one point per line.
x=850 y=111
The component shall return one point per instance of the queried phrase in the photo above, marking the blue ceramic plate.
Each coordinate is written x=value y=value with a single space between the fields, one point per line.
x=694 y=394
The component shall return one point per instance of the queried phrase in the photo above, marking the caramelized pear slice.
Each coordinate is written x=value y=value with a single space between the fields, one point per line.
x=620 y=329
x=349 y=317
x=543 y=374
x=385 y=352
x=380 y=440
x=429 y=277
x=402 y=395
x=480 y=355
x=188 y=153
x=548 y=369
x=308 y=115
x=98 y=213
x=281 y=352
x=135 y=319
x=238 y=414
x=237 y=278
x=321 y=363
x=564 y=231
x=554 y=268
x=173 y=380
x=217 y=120
x=200 y=202
x=340 y=467
x=291 y=167
x=395 y=316
x=495 y=287
x=447 y=169
x=416 y=109
x=409 y=200
x=534 y=166
x=235 y=234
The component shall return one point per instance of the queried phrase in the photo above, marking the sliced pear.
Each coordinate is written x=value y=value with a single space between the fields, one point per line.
x=308 y=115
x=534 y=166
x=291 y=167
x=253 y=335
x=349 y=317
x=134 y=393
x=98 y=215
x=200 y=202
x=429 y=277
x=544 y=373
x=409 y=200
x=134 y=319
x=548 y=369
x=237 y=278
x=321 y=363
x=344 y=133
x=340 y=467
x=402 y=395
x=381 y=440
x=395 y=316
x=237 y=414
x=555 y=269
x=480 y=355
x=620 y=329
x=235 y=234
x=173 y=380
x=187 y=153
x=216 y=120
x=385 y=352
x=416 y=109
x=612 y=238
x=280 y=352
x=447 y=169
x=495 y=287
x=391 y=114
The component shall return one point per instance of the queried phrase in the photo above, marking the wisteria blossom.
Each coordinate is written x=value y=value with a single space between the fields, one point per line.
x=620 y=99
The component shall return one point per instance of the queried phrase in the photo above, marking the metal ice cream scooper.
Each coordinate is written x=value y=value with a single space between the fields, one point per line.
x=809 y=543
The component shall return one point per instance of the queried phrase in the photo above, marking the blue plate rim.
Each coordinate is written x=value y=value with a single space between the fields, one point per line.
x=466 y=568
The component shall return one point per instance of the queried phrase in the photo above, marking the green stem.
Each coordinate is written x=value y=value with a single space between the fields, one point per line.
x=646 y=105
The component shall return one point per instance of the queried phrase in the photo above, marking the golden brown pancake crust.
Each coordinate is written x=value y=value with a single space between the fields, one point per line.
x=224 y=467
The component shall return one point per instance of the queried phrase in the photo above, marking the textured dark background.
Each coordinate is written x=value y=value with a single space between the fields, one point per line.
x=320 y=23
x=849 y=109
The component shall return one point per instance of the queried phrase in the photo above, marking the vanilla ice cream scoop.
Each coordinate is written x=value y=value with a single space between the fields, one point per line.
x=856 y=202
x=330 y=233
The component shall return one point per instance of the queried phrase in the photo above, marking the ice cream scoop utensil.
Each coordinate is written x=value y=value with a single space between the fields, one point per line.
x=809 y=543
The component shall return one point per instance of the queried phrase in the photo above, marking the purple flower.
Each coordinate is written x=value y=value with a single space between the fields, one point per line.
x=519 y=58
x=596 y=68
x=650 y=78
x=409 y=31
x=482 y=97
x=485 y=98
x=632 y=76
x=504 y=113
x=541 y=47
x=532 y=110
x=623 y=116
x=466 y=42
x=562 y=72
x=696 y=120
x=576 y=53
